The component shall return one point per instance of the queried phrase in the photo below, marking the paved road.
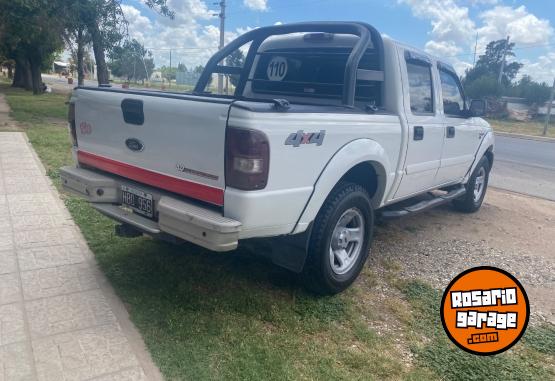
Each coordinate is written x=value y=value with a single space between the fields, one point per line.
x=59 y=84
x=525 y=166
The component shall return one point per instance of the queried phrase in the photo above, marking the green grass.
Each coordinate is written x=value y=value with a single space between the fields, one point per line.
x=541 y=338
x=207 y=316
x=534 y=128
x=435 y=351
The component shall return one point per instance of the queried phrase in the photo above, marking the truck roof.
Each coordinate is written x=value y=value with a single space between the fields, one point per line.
x=298 y=40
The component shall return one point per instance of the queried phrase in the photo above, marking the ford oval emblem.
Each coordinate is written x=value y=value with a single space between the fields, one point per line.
x=134 y=144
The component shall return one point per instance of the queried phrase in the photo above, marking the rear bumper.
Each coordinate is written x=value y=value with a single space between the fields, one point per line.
x=203 y=226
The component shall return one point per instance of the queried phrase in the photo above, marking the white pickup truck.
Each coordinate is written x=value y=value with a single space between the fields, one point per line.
x=330 y=126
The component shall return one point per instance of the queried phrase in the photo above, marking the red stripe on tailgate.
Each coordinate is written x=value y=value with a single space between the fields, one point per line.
x=169 y=183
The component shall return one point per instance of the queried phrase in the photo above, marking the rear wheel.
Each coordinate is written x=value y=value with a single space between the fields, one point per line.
x=340 y=239
x=475 y=188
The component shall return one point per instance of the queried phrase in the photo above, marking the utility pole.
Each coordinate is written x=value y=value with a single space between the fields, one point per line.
x=144 y=64
x=475 y=47
x=503 y=61
x=548 y=115
x=222 y=41
x=170 y=72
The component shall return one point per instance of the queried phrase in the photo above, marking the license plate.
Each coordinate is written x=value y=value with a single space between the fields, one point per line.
x=138 y=200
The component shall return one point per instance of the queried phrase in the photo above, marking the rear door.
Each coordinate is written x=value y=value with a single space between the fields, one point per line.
x=170 y=141
x=425 y=125
x=462 y=136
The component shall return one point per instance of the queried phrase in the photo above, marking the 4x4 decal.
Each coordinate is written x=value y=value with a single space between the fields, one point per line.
x=300 y=137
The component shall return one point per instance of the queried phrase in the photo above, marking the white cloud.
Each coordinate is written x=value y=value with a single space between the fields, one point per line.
x=523 y=27
x=482 y=2
x=188 y=11
x=139 y=25
x=256 y=5
x=192 y=43
x=452 y=28
x=542 y=70
x=442 y=48
x=453 y=31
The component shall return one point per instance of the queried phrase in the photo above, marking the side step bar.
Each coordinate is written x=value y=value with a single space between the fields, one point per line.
x=424 y=205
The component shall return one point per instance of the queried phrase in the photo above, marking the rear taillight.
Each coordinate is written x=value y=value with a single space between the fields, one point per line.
x=71 y=124
x=247 y=159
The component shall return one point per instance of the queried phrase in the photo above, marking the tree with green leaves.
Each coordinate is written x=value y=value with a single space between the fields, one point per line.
x=481 y=80
x=182 y=68
x=533 y=92
x=235 y=59
x=131 y=61
x=30 y=34
x=106 y=24
x=31 y=31
x=489 y=64
x=169 y=73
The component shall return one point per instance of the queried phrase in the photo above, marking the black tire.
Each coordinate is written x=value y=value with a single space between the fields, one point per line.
x=318 y=274
x=469 y=203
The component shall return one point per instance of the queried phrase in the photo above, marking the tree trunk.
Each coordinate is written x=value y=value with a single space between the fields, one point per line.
x=80 y=54
x=10 y=71
x=36 y=75
x=22 y=77
x=98 y=48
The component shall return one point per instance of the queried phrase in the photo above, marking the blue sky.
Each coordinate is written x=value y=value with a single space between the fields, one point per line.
x=447 y=28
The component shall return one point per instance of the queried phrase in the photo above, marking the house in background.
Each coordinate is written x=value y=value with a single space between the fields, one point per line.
x=542 y=110
x=517 y=108
x=61 y=67
x=156 y=76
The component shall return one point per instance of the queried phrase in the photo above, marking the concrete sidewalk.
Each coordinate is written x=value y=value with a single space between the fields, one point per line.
x=59 y=317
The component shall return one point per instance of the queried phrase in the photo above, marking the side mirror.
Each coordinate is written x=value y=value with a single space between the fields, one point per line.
x=477 y=107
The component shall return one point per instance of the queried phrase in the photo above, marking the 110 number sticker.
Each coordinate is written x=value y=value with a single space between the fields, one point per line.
x=277 y=69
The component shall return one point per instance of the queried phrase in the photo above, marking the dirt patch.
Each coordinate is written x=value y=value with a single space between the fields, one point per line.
x=6 y=122
x=511 y=231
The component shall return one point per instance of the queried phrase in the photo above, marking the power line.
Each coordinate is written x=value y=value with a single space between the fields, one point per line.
x=515 y=48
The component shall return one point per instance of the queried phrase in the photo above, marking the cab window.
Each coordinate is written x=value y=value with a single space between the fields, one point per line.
x=453 y=100
x=314 y=73
x=420 y=87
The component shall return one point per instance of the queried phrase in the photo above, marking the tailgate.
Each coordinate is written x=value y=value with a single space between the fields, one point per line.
x=170 y=141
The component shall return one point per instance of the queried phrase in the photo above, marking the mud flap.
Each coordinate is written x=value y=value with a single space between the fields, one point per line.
x=287 y=251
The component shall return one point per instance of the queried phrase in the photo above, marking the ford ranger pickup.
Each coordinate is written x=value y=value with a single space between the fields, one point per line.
x=329 y=126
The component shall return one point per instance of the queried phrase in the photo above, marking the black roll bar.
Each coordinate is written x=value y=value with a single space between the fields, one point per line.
x=365 y=32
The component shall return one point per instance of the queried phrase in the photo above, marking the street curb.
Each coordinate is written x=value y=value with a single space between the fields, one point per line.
x=510 y=191
x=526 y=137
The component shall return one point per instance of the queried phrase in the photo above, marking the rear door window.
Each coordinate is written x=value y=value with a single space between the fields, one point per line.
x=420 y=88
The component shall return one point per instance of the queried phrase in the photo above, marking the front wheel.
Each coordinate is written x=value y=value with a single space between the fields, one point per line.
x=475 y=188
x=340 y=239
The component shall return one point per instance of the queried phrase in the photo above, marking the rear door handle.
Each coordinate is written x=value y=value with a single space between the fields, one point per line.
x=450 y=132
x=132 y=110
x=418 y=132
